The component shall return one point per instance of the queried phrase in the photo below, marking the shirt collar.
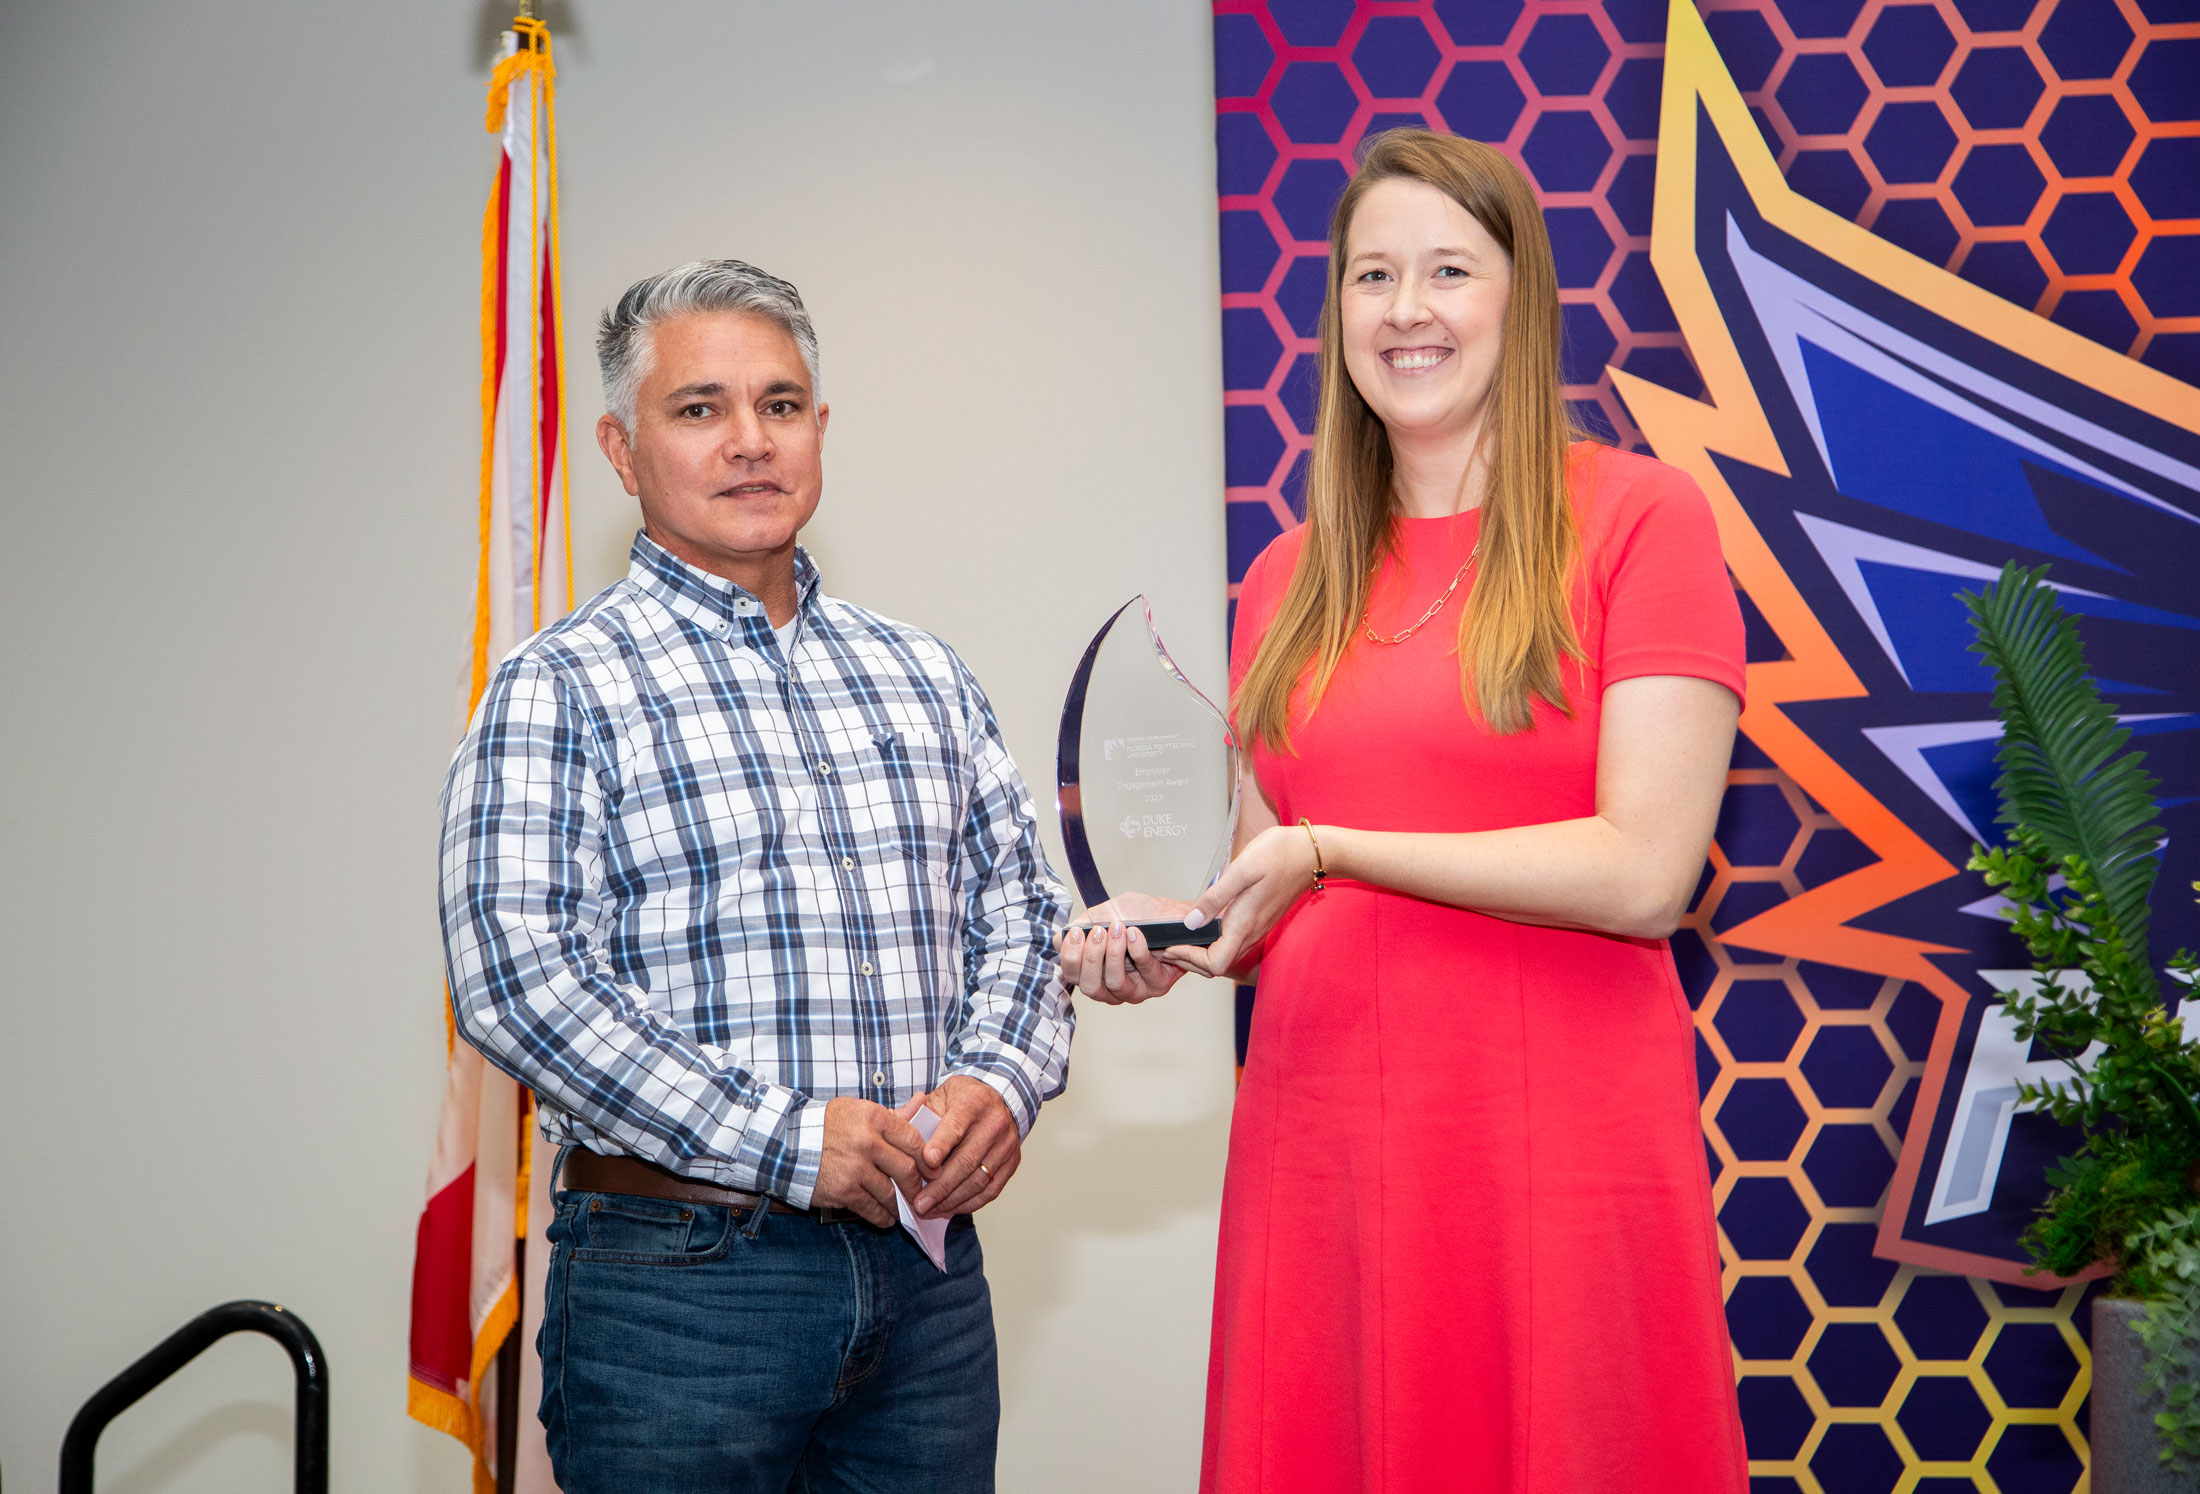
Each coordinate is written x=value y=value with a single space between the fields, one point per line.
x=708 y=600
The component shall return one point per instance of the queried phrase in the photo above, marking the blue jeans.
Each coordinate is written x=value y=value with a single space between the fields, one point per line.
x=687 y=1348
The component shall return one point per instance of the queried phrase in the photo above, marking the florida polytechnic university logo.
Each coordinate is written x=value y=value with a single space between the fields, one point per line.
x=1878 y=436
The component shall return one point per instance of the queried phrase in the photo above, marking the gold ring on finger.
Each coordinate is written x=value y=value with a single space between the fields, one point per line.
x=987 y=1171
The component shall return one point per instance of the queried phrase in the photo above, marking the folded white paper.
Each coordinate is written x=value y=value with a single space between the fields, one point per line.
x=931 y=1234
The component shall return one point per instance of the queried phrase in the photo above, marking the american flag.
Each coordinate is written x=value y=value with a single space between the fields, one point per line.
x=479 y=1256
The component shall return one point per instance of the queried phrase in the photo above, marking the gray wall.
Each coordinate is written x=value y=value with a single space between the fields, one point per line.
x=237 y=485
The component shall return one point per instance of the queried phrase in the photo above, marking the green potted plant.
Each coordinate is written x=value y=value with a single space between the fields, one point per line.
x=2078 y=867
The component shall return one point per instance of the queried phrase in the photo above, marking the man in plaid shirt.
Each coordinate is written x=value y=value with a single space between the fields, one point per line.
x=737 y=875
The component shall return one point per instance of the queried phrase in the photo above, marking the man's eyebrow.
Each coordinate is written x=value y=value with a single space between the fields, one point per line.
x=714 y=389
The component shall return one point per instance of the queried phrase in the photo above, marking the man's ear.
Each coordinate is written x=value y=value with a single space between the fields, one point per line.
x=824 y=413
x=619 y=451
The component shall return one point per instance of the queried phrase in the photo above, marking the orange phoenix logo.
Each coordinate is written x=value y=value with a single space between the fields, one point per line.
x=1878 y=436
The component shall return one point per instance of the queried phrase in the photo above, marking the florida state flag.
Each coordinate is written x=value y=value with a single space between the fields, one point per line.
x=479 y=1256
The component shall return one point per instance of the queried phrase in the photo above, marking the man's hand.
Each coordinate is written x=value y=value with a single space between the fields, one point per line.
x=972 y=1153
x=869 y=1151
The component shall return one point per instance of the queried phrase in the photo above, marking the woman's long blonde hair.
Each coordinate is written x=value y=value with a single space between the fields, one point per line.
x=1516 y=627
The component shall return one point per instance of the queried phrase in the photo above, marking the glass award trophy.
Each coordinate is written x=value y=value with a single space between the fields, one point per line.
x=1147 y=780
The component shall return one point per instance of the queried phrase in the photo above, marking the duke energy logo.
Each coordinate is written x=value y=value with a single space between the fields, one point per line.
x=1878 y=436
x=1151 y=827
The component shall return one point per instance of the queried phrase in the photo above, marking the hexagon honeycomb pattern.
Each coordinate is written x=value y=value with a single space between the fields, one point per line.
x=2048 y=151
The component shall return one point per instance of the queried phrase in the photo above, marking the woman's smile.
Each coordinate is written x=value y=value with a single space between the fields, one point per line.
x=1414 y=360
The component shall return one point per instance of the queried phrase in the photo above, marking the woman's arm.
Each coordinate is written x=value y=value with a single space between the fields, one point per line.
x=1630 y=868
x=1662 y=752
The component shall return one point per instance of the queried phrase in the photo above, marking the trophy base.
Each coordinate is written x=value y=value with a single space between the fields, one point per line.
x=1164 y=935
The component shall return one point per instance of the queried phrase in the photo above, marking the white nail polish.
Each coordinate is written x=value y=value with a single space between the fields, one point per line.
x=1195 y=919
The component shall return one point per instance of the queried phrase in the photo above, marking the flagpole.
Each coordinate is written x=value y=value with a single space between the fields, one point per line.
x=508 y=1381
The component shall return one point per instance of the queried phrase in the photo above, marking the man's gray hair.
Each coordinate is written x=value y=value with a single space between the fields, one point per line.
x=622 y=338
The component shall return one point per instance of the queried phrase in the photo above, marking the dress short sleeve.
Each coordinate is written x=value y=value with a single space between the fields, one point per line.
x=1669 y=605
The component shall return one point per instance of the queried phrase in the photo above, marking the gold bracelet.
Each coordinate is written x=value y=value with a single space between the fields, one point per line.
x=1320 y=875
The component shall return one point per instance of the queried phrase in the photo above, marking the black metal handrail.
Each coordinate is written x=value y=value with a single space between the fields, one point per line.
x=310 y=1445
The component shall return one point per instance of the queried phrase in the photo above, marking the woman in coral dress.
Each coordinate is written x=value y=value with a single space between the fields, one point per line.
x=1488 y=694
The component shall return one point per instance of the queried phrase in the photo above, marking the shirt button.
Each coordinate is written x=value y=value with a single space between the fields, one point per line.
x=878 y=1076
x=847 y=863
x=723 y=628
x=865 y=967
x=824 y=767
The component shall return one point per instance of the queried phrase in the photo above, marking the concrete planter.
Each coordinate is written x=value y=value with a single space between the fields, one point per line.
x=2127 y=1450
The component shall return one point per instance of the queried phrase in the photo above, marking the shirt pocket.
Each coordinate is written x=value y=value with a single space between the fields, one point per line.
x=918 y=794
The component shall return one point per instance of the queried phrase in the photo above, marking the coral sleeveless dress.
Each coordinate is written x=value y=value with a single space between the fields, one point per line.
x=1467 y=1238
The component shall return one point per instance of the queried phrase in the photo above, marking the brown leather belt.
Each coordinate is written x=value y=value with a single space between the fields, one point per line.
x=591 y=1172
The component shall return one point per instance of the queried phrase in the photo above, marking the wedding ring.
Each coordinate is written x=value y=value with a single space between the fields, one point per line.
x=987 y=1171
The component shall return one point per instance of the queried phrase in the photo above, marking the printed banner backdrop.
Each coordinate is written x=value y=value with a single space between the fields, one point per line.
x=1910 y=289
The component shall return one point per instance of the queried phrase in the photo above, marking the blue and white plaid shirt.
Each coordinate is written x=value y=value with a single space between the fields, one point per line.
x=694 y=886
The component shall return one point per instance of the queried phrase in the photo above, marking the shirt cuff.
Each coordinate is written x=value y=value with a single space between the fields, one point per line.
x=783 y=1145
x=808 y=1135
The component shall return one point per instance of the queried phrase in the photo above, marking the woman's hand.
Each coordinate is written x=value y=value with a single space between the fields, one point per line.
x=1108 y=960
x=1253 y=892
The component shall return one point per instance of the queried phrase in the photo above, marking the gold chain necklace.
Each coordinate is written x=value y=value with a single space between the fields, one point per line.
x=1434 y=607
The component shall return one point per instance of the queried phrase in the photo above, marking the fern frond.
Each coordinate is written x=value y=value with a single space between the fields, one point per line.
x=2064 y=768
x=2180 y=1102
